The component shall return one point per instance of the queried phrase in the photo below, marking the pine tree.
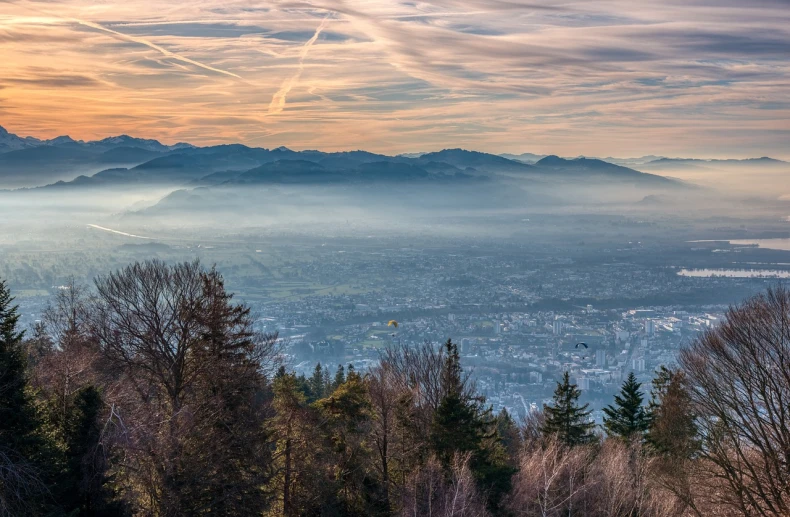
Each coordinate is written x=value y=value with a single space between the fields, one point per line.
x=21 y=445
x=627 y=418
x=346 y=422
x=328 y=387
x=672 y=430
x=565 y=418
x=462 y=425
x=457 y=426
x=292 y=427
x=18 y=421
x=316 y=383
x=340 y=377
x=83 y=484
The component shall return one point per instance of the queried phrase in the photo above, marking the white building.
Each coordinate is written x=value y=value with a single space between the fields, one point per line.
x=600 y=358
x=557 y=327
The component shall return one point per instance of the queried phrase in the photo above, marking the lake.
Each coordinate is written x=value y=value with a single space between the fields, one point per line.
x=735 y=273
x=770 y=244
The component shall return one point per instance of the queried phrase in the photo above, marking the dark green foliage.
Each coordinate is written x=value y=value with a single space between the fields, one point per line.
x=627 y=418
x=18 y=422
x=22 y=448
x=316 y=387
x=347 y=416
x=83 y=486
x=565 y=418
x=340 y=377
x=462 y=425
x=509 y=435
x=672 y=430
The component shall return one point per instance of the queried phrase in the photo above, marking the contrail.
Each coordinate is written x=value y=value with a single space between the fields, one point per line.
x=278 y=100
x=154 y=46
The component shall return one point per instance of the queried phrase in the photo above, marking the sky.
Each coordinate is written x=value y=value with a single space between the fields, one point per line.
x=697 y=78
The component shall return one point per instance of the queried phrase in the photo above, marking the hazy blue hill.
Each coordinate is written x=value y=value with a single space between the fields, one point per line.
x=446 y=168
x=128 y=155
x=126 y=160
x=183 y=201
x=35 y=156
x=765 y=160
x=196 y=163
x=481 y=161
x=344 y=160
x=216 y=178
x=529 y=158
x=392 y=171
x=30 y=162
x=286 y=171
x=594 y=169
x=43 y=164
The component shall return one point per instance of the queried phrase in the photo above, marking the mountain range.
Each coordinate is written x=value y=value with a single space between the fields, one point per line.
x=63 y=163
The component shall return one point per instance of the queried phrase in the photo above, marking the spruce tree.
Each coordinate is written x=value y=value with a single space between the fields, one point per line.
x=565 y=418
x=672 y=430
x=18 y=421
x=340 y=377
x=21 y=444
x=627 y=418
x=83 y=486
x=316 y=383
x=457 y=426
x=462 y=424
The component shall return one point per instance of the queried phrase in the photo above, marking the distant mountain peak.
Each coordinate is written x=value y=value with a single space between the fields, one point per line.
x=63 y=139
x=11 y=142
x=550 y=160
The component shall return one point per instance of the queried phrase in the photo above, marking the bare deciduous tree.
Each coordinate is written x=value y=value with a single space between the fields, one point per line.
x=430 y=493
x=550 y=481
x=19 y=484
x=420 y=370
x=739 y=375
x=383 y=390
x=191 y=372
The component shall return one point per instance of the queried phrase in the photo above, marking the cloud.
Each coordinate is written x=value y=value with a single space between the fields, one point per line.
x=603 y=77
x=154 y=46
x=278 y=100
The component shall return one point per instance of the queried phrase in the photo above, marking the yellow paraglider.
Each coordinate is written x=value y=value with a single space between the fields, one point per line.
x=392 y=323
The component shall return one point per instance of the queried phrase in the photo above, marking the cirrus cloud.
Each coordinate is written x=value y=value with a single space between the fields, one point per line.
x=601 y=77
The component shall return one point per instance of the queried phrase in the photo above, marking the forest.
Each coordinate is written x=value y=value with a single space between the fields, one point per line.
x=152 y=394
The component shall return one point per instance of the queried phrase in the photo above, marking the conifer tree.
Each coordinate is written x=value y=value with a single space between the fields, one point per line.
x=457 y=425
x=17 y=418
x=340 y=377
x=83 y=486
x=565 y=418
x=291 y=426
x=627 y=417
x=672 y=430
x=328 y=387
x=316 y=383
x=21 y=448
x=462 y=425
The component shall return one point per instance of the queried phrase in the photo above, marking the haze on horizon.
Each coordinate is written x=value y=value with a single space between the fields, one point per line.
x=696 y=78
